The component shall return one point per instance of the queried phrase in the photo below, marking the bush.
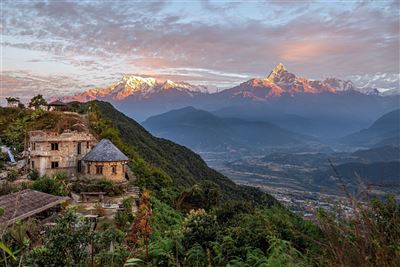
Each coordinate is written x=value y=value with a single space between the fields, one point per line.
x=124 y=216
x=370 y=237
x=199 y=228
x=9 y=187
x=98 y=185
x=53 y=186
x=33 y=175
x=12 y=175
x=65 y=243
x=3 y=159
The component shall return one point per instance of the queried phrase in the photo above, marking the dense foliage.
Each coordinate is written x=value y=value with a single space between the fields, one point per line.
x=190 y=215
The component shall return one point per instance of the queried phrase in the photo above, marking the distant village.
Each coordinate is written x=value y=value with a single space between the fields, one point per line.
x=77 y=156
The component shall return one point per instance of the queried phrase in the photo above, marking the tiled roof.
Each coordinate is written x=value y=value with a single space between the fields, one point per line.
x=57 y=103
x=105 y=151
x=26 y=203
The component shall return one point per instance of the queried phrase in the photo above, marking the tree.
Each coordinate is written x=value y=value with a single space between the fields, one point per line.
x=65 y=244
x=37 y=102
x=141 y=226
x=11 y=101
x=200 y=196
x=199 y=227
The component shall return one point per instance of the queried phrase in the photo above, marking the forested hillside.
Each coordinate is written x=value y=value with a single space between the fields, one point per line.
x=187 y=214
x=184 y=166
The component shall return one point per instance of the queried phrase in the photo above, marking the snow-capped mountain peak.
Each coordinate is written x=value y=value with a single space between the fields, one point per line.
x=277 y=71
x=134 y=81
x=138 y=86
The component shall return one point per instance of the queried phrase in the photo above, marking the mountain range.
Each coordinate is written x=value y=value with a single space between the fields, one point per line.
x=204 y=131
x=328 y=108
x=384 y=131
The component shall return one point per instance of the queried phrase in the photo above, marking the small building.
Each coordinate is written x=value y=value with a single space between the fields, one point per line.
x=50 y=151
x=57 y=105
x=13 y=102
x=106 y=160
x=27 y=204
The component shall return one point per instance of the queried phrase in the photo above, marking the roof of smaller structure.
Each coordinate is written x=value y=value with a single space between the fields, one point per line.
x=26 y=203
x=57 y=103
x=105 y=151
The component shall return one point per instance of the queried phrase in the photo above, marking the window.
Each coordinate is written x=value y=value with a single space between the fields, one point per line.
x=33 y=164
x=54 y=164
x=114 y=169
x=99 y=169
x=54 y=146
x=87 y=145
x=79 y=148
x=33 y=146
x=79 y=166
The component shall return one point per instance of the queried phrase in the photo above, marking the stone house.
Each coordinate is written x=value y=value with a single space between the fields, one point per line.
x=77 y=154
x=106 y=160
x=50 y=152
x=57 y=106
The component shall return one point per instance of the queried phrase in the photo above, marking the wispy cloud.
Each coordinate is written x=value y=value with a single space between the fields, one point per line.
x=207 y=42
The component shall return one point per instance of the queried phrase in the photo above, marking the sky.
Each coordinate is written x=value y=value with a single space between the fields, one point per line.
x=65 y=47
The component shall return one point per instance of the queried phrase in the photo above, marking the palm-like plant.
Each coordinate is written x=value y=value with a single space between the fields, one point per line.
x=133 y=262
x=196 y=256
x=162 y=252
x=7 y=250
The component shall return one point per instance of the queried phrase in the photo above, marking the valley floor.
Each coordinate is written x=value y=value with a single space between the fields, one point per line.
x=300 y=197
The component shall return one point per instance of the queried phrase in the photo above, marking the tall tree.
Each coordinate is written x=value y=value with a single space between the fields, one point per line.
x=141 y=226
x=12 y=100
x=37 y=102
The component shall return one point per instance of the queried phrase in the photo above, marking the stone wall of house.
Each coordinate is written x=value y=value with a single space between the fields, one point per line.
x=117 y=174
x=50 y=152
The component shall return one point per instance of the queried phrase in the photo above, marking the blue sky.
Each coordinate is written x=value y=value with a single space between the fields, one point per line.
x=65 y=47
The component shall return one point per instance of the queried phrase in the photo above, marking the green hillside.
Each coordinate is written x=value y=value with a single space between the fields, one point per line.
x=184 y=166
x=187 y=214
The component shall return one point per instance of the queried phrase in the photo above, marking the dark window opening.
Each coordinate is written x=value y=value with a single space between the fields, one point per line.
x=79 y=148
x=99 y=169
x=54 y=146
x=33 y=146
x=79 y=166
x=33 y=164
x=87 y=145
x=114 y=169
x=54 y=164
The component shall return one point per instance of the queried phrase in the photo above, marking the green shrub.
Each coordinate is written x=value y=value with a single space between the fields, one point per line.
x=123 y=217
x=33 y=174
x=98 y=185
x=53 y=186
x=64 y=244
x=12 y=175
